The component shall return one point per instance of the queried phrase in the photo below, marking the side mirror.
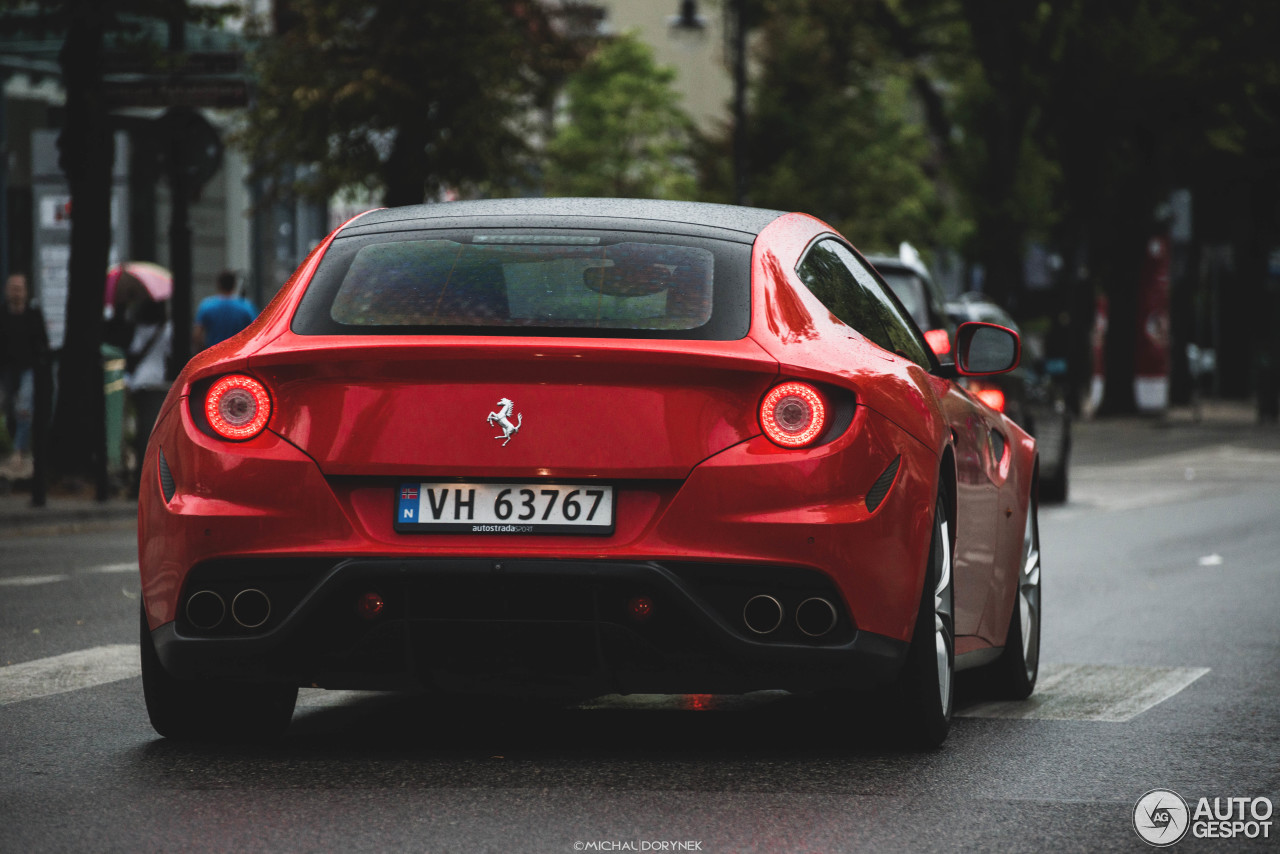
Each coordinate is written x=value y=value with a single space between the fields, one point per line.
x=985 y=348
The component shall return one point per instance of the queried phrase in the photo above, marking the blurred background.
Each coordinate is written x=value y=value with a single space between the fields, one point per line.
x=1105 y=172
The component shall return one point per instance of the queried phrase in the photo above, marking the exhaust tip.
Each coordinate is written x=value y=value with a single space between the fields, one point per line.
x=762 y=614
x=815 y=617
x=251 y=608
x=206 y=609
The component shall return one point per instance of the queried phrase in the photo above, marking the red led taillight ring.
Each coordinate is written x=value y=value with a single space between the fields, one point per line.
x=793 y=414
x=237 y=407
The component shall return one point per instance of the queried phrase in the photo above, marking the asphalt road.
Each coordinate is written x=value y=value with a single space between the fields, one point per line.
x=1161 y=670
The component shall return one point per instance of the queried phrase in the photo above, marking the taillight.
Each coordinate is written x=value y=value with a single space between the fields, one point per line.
x=939 y=341
x=793 y=414
x=992 y=397
x=237 y=407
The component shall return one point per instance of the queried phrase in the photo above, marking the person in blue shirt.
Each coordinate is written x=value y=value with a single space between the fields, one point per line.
x=221 y=315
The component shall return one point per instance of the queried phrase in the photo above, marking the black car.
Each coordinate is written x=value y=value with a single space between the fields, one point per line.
x=1027 y=394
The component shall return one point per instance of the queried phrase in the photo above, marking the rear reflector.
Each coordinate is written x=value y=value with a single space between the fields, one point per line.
x=370 y=605
x=640 y=608
x=793 y=414
x=237 y=407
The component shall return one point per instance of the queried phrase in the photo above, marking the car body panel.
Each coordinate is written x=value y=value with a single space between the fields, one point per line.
x=638 y=410
x=705 y=503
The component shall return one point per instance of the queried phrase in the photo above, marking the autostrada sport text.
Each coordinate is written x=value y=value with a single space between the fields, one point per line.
x=574 y=447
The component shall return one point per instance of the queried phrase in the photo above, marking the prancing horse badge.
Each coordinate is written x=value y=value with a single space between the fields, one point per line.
x=503 y=419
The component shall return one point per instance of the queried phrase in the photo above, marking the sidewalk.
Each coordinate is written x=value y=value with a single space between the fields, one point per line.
x=63 y=513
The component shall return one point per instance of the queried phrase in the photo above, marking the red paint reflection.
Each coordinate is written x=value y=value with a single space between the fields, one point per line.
x=698 y=702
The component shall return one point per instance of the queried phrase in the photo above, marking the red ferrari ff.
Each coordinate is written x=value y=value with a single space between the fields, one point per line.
x=577 y=447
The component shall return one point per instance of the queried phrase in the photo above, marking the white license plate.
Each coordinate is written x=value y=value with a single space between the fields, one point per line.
x=505 y=508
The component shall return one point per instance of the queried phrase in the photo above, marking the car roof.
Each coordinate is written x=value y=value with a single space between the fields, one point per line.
x=573 y=212
x=973 y=306
x=893 y=262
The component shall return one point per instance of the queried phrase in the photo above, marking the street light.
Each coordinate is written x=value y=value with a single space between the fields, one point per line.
x=687 y=19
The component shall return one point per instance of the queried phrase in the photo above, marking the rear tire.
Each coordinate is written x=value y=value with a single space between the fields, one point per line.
x=926 y=685
x=211 y=710
x=1053 y=490
x=1013 y=675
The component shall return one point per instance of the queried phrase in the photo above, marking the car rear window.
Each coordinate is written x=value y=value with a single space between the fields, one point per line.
x=530 y=281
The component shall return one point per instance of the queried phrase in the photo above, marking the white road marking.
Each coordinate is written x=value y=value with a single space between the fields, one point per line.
x=31 y=580
x=1066 y=692
x=1171 y=478
x=87 y=668
x=1211 y=560
x=322 y=698
x=128 y=566
x=1092 y=692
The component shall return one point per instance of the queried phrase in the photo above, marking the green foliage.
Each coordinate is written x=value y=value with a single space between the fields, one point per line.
x=400 y=98
x=835 y=128
x=623 y=133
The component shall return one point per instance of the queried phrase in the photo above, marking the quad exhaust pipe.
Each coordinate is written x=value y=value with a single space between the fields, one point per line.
x=762 y=614
x=206 y=609
x=815 y=617
x=251 y=608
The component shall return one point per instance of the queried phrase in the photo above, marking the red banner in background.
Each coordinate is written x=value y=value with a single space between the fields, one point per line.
x=1151 y=359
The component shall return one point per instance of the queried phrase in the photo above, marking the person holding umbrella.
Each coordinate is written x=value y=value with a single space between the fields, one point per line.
x=139 y=294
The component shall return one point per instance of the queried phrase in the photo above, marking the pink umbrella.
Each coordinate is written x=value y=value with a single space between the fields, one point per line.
x=152 y=278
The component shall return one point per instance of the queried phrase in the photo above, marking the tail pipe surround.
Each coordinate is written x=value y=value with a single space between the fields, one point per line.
x=206 y=609
x=251 y=608
x=816 y=617
x=762 y=614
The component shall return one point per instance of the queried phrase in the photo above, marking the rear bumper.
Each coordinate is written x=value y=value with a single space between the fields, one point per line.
x=533 y=627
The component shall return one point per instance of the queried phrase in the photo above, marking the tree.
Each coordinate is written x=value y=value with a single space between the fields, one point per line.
x=403 y=99
x=833 y=127
x=623 y=133
x=1144 y=97
x=1073 y=120
x=86 y=152
x=1013 y=46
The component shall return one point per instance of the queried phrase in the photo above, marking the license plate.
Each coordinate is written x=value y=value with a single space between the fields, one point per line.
x=505 y=508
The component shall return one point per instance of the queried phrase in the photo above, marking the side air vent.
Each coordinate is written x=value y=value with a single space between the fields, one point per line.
x=167 y=486
x=880 y=488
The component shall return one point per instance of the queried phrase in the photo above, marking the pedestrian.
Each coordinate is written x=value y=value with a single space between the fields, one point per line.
x=221 y=315
x=24 y=345
x=145 y=374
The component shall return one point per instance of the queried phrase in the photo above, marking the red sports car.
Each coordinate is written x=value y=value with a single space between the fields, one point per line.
x=577 y=447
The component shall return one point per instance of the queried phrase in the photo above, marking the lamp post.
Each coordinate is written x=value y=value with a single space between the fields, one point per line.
x=687 y=19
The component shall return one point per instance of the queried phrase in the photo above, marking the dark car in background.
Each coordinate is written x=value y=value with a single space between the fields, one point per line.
x=909 y=279
x=1027 y=394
